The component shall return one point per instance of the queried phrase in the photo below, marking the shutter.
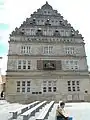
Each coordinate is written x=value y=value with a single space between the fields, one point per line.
x=58 y=65
x=39 y=64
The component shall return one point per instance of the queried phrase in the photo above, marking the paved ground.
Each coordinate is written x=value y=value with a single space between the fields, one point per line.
x=79 y=111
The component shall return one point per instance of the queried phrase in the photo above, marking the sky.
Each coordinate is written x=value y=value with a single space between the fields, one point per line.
x=14 y=12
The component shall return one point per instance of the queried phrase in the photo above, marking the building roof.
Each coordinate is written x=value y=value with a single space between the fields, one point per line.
x=29 y=22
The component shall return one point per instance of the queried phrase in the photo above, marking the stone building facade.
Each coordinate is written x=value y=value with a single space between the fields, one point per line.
x=47 y=60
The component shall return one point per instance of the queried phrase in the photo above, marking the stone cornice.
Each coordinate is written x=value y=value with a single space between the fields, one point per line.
x=44 y=26
x=51 y=42
x=44 y=36
x=41 y=74
x=45 y=56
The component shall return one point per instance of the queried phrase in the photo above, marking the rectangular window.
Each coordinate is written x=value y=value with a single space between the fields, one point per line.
x=68 y=82
x=23 y=83
x=54 y=83
x=18 y=83
x=28 y=49
x=24 y=67
x=75 y=62
x=19 y=67
x=71 y=62
x=19 y=64
x=73 y=88
x=25 y=49
x=69 y=88
x=44 y=89
x=44 y=83
x=18 y=89
x=28 y=89
x=49 y=83
x=69 y=50
x=49 y=89
x=72 y=67
x=45 y=50
x=76 y=67
x=77 y=82
x=29 y=64
x=50 y=49
x=78 y=88
x=67 y=67
x=28 y=83
x=73 y=82
x=22 y=49
x=54 y=89
x=24 y=64
x=23 y=89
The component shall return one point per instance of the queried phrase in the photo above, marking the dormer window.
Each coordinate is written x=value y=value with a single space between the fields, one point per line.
x=62 y=23
x=44 y=11
x=56 y=33
x=33 y=22
x=34 y=19
x=22 y=31
x=39 y=29
x=47 y=22
x=39 y=32
x=72 y=33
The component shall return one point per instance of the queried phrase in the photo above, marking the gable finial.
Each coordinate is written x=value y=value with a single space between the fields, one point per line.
x=46 y=2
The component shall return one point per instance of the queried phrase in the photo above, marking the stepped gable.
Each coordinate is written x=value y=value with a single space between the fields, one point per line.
x=41 y=13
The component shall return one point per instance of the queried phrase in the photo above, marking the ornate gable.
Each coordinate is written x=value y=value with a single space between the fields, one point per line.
x=48 y=18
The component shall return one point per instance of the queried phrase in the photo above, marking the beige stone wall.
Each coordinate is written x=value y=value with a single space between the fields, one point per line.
x=12 y=62
x=36 y=86
x=37 y=49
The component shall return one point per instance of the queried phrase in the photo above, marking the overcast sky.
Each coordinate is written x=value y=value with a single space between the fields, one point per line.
x=14 y=12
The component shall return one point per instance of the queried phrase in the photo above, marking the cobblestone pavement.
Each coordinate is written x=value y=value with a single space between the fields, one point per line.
x=79 y=111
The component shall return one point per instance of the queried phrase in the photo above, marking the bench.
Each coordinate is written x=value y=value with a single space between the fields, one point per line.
x=22 y=109
x=45 y=112
x=31 y=112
